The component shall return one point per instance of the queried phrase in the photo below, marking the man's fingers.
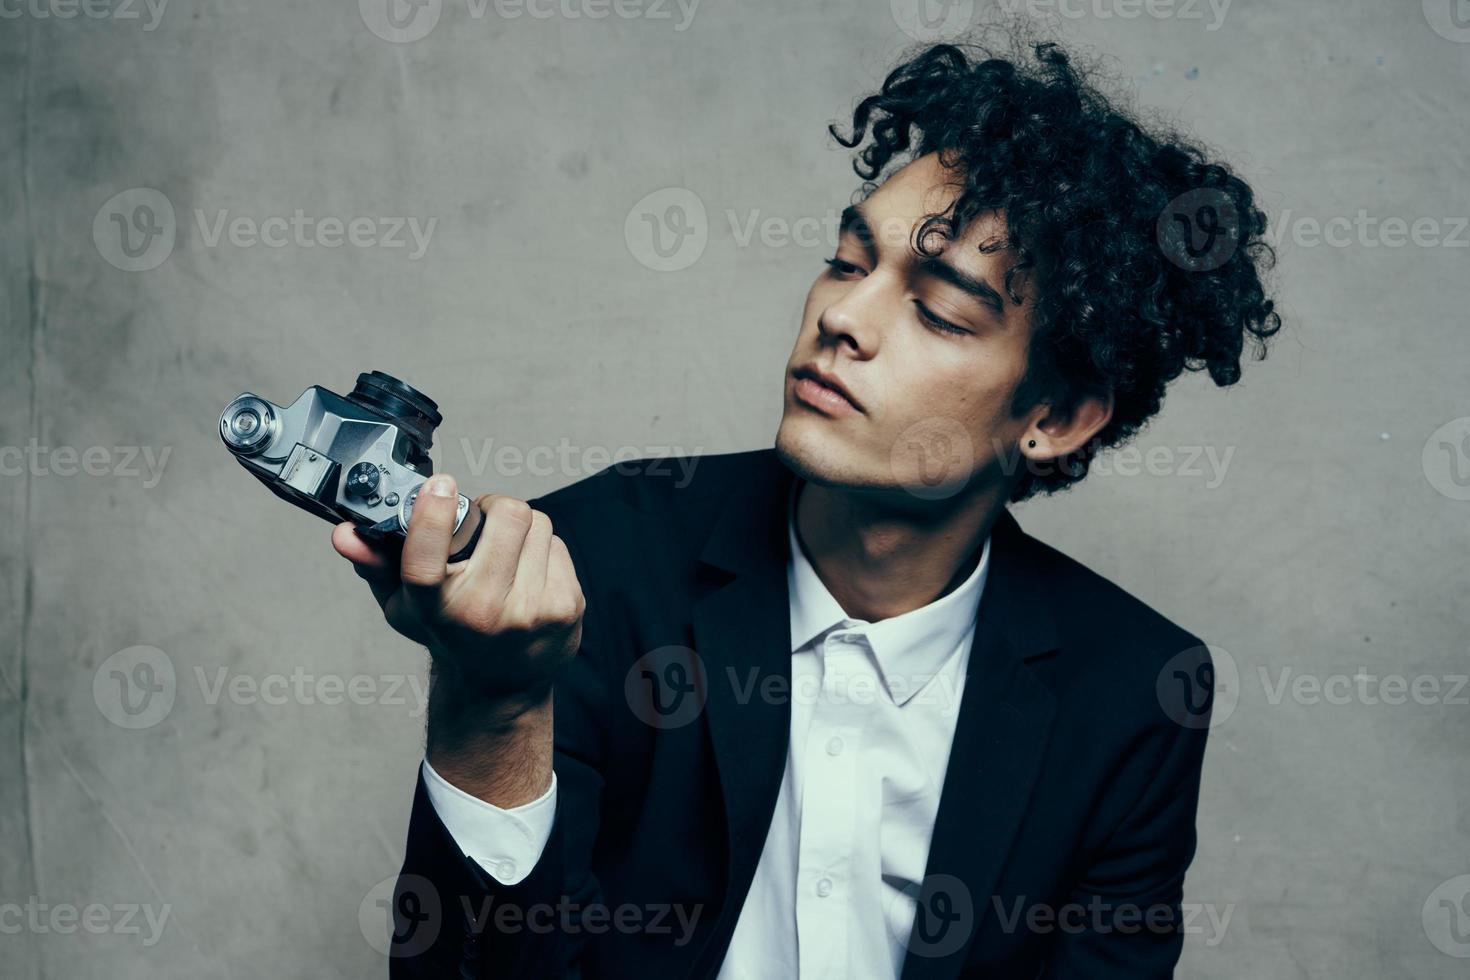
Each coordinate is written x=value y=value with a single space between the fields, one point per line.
x=376 y=565
x=530 y=577
x=426 y=548
x=563 y=593
x=361 y=553
x=497 y=553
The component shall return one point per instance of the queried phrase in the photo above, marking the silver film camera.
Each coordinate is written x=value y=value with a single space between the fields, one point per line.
x=362 y=458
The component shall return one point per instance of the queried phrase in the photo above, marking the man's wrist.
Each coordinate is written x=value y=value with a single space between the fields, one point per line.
x=497 y=750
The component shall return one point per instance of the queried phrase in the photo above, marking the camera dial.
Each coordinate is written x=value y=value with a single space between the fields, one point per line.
x=362 y=481
x=247 y=424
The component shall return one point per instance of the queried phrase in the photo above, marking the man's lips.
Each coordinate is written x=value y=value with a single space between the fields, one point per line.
x=823 y=391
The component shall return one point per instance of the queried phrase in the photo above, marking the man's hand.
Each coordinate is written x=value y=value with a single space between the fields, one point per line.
x=499 y=625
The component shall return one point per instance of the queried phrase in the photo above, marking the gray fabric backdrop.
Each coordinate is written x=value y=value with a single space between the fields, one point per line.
x=180 y=187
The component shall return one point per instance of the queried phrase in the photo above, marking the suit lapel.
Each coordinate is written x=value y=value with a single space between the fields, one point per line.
x=1004 y=722
x=742 y=633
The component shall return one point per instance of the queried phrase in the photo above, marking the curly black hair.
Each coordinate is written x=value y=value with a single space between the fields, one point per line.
x=1105 y=214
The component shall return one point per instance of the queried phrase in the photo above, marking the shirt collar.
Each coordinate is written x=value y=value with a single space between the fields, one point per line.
x=909 y=648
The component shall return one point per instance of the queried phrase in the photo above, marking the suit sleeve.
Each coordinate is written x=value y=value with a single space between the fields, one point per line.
x=1125 y=917
x=452 y=917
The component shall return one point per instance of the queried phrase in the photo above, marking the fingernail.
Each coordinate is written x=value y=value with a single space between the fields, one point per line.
x=441 y=486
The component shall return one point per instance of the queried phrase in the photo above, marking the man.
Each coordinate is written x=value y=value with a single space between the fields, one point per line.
x=827 y=711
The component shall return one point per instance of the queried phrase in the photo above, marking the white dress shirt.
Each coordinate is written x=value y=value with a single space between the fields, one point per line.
x=873 y=708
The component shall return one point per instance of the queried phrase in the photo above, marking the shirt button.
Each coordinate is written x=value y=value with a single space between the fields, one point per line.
x=507 y=870
x=824 y=887
x=834 y=745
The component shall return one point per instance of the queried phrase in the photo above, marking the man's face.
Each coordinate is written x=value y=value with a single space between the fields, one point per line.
x=929 y=351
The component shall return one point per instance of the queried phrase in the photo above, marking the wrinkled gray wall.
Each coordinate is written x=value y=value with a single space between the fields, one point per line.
x=1326 y=536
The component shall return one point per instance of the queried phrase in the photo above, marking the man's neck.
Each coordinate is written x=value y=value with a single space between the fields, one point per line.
x=879 y=560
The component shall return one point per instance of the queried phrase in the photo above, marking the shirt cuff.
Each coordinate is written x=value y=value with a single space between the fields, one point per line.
x=506 y=843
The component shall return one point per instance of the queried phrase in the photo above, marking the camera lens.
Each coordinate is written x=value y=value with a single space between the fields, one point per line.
x=410 y=409
x=247 y=424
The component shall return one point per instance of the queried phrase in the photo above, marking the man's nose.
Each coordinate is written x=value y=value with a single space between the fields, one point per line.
x=854 y=319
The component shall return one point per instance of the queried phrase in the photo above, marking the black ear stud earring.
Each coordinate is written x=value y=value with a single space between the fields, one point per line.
x=1031 y=443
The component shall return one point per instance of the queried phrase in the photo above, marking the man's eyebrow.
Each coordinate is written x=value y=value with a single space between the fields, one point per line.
x=938 y=268
x=855 y=222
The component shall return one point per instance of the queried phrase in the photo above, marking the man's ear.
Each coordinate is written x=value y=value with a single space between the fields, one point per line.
x=1058 y=433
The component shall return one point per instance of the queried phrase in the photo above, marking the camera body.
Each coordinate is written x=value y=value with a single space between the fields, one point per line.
x=361 y=458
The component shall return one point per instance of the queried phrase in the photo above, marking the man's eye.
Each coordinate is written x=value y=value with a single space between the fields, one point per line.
x=937 y=322
x=842 y=268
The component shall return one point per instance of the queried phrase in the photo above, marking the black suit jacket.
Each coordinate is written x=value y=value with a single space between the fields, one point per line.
x=1066 y=819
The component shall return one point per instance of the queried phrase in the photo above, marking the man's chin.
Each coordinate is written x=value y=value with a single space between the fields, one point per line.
x=818 y=457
